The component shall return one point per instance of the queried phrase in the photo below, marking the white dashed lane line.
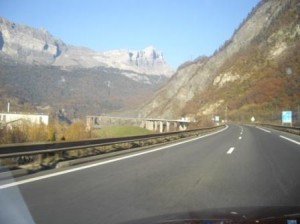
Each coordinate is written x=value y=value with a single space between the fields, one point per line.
x=230 y=150
x=291 y=140
x=264 y=130
x=241 y=131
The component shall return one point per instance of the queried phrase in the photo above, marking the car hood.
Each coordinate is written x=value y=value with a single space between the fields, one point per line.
x=282 y=214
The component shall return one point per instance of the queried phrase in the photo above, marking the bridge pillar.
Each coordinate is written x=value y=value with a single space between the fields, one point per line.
x=150 y=125
x=182 y=126
x=90 y=122
x=161 y=126
x=175 y=125
x=142 y=125
x=168 y=126
x=155 y=126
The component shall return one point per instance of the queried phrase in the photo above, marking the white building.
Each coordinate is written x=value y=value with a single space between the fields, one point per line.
x=7 y=118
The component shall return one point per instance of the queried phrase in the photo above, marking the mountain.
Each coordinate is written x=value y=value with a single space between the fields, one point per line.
x=146 y=61
x=38 y=46
x=255 y=73
x=40 y=73
x=77 y=92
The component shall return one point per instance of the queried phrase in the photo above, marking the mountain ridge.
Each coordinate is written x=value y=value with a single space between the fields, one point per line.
x=38 y=46
x=40 y=73
x=190 y=92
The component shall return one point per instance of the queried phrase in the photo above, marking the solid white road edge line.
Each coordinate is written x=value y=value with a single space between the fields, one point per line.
x=230 y=150
x=103 y=162
x=264 y=130
x=291 y=140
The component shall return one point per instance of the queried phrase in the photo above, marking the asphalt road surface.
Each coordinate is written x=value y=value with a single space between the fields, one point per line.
x=239 y=166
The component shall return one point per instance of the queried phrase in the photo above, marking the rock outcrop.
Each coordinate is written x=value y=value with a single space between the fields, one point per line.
x=146 y=61
x=27 y=44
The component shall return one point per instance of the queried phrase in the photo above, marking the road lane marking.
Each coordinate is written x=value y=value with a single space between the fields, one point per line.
x=230 y=150
x=241 y=130
x=264 y=130
x=291 y=140
x=33 y=179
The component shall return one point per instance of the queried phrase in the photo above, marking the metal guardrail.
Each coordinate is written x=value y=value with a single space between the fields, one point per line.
x=14 y=150
x=23 y=159
x=290 y=129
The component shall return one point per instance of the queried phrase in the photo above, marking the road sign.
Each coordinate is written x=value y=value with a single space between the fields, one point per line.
x=217 y=118
x=286 y=117
x=252 y=119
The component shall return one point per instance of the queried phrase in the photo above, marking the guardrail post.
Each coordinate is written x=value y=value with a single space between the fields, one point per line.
x=58 y=155
x=39 y=158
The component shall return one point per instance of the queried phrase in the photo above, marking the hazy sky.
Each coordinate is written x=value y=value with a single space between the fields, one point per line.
x=182 y=29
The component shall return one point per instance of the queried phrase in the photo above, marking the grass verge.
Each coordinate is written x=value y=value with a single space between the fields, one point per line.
x=119 y=131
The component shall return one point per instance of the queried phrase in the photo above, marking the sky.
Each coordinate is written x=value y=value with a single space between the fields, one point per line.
x=182 y=29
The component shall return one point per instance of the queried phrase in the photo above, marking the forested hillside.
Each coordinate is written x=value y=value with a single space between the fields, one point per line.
x=76 y=92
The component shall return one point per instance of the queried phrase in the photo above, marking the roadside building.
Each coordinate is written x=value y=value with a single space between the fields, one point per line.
x=8 y=118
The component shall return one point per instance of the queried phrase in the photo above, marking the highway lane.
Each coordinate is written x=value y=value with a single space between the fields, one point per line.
x=239 y=167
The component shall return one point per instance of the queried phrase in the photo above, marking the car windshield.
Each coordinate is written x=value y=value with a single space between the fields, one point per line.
x=161 y=111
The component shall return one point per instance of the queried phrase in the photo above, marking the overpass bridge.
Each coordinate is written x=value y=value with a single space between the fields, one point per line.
x=152 y=124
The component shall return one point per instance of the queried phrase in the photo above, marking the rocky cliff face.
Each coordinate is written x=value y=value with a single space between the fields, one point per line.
x=27 y=44
x=146 y=61
x=273 y=27
x=37 y=46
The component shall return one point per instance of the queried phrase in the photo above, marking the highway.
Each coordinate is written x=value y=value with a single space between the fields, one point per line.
x=240 y=166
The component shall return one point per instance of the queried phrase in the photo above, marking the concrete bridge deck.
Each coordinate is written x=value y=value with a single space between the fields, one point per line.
x=153 y=124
